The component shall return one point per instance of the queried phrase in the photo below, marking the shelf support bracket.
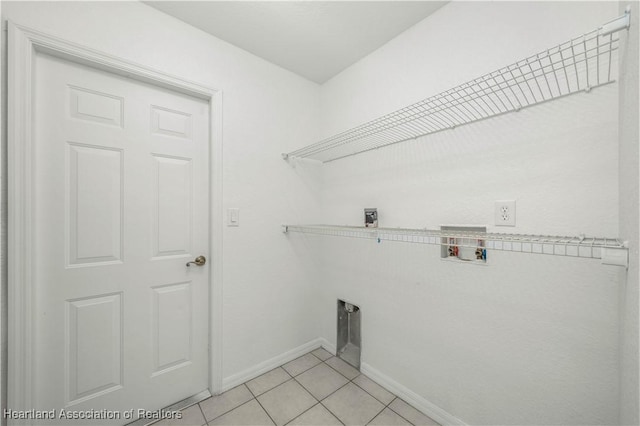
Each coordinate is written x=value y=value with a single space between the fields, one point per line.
x=620 y=23
x=616 y=256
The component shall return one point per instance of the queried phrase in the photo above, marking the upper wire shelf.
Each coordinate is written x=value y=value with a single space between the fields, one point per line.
x=577 y=65
x=610 y=250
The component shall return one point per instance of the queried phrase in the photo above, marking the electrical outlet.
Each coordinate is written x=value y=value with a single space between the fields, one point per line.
x=505 y=213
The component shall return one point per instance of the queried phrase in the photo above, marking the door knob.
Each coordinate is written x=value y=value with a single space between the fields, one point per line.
x=200 y=260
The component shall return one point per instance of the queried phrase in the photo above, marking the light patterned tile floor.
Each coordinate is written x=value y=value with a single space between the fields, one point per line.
x=314 y=389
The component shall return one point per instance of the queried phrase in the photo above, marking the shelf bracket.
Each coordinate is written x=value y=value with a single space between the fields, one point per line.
x=616 y=256
x=620 y=23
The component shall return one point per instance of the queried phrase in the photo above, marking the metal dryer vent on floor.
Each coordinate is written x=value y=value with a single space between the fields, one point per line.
x=349 y=338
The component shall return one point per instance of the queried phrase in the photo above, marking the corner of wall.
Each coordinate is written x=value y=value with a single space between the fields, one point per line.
x=629 y=176
x=3 y=220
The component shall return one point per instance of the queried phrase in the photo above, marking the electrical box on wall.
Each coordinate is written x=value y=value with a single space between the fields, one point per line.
x=462 y=243
x=371 y=218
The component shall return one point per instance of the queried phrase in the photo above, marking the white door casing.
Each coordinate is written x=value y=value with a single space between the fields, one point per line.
x=25 y=48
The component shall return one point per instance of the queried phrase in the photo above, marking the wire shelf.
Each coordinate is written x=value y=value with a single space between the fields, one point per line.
x=581 y=246
x=578 y=65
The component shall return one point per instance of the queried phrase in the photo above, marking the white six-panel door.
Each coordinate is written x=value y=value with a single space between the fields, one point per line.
x=122 y=200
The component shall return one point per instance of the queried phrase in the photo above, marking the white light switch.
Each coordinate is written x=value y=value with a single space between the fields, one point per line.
x=233 y=217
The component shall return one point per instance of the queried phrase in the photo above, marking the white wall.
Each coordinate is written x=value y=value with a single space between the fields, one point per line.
x=526 y=339
x=629 y=192
x=268 y=281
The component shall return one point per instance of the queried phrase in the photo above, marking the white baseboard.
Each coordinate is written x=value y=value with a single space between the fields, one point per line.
x=428 y=408
x=255 y=371
x=436 y=413
x=330 y=347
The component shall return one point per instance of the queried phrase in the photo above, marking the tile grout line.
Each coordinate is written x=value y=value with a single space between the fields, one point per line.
x=303 y=371
x=288 y=374
x=298 y=382
x=359 y=373
x=265 y=410
x=228 y=411
x=291 y=377
x=332 y=413
x=320 y=401
x=306 y=390
x=245 y=403
x=206 y=422
x=303 y=387
x=348 y=381
x=365 y=391
x=386 y=406
x=268 y=390
x=360 y=387
x=401 y=416
x=372 y=395
x=299 y=415
x=273 y=369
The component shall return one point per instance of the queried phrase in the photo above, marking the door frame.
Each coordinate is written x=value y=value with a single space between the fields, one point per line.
x=23 y=45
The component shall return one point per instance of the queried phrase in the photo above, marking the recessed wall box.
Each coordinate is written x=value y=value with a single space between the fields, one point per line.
x=465 y=243
x=349 y=337
x=371 y=218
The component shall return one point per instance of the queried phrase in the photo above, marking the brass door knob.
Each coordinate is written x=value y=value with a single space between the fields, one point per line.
x=200 y=260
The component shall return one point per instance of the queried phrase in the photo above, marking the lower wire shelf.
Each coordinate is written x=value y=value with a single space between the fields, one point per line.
x=610 y=251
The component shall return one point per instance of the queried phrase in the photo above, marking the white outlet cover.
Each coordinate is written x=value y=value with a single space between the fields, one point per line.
x=505 y=213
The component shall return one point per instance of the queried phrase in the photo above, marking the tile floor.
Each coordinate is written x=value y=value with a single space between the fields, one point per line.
x=315 y=389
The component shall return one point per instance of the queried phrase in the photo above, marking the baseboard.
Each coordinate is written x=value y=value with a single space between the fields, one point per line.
x=428 y=408
x=329 y=347
x=255 y=371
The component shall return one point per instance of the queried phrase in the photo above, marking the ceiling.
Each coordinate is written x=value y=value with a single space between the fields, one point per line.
x=315 y=39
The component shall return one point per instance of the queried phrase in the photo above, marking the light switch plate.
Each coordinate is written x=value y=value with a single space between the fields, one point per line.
x=233 y=217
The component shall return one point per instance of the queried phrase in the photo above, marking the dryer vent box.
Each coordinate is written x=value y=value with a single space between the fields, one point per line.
x=349 y=338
